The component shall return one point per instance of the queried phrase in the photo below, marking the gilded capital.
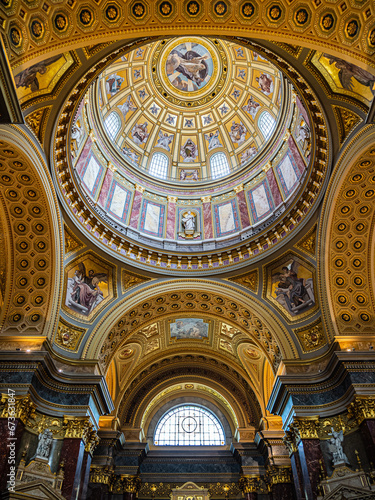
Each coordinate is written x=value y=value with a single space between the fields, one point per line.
x=278 y=475
x=249 y=484
x=290 y=442
x=78 y=428
x=206 y=199
x=305 y=428
x=139 y=188
x=362 y=408
x=101 y=475
x=172 y=199
x=22 y=407
x=239 y=188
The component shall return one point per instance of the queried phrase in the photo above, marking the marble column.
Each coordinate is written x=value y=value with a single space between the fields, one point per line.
x=171 y=218
x=297 y=476
x=283 y=491
x=242 y=206
x=367 y=429
x=207 y=217
x=310 y=456
x=72 y=454
x=85 y=475
x=136 y=207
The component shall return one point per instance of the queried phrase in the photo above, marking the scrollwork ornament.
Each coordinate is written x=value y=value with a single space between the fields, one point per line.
x=305 y=428
x=289 y=440
x=77 y=428
x=361 y=409
x=249 y=484
x=101 y=475
x=23 y=408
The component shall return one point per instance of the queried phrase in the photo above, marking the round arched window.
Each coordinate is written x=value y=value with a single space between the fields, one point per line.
x=266 y=123
x=112 y=124
x=219 y=165
x=159 y=165
x=189 y=425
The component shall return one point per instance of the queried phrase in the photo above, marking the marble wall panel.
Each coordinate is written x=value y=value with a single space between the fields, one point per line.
x=105 y=188
x=207 y=221
x=152 y=218
x=242 y=206
x=296 y=155
x=91 y=174
x=83 y=156
x=274 y=187
x=171 y=221
x=136 y=209
x=288 y=174
x=261 y=203
x=226 y=218
x=118 y=201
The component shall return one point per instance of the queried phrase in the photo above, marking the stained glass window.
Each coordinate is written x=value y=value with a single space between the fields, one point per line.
x=159 y=165
x=112 y=124
x=219 y=165
x=189 y=425
x=266 y=123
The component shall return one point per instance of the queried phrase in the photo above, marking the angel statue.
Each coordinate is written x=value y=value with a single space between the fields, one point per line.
x=164 y=141
x=44 y=444
x=336 y=440
x=213 y=140
x=84 y=292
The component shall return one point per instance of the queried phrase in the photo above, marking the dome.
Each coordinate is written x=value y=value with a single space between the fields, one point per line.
x=169 y=108
x=189 y=145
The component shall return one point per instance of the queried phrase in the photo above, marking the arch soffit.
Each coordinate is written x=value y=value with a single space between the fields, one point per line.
x=33 y=215
x=179 y=370
x=190 y=391
x=259 y=22
x=109 y=333
x=346 y=232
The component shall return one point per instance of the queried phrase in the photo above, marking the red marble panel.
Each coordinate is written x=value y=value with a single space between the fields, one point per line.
x=310 y=456
x=171 y=220
x=136 y=209
x=105 y=187
x=274 y=187
x=251 y=496
x=207 y=220
x=84 y=154
x=296 y=154
x=302 y=109
x=282 y=491
x=242 y=206
x=367 y=429
x=72 y=454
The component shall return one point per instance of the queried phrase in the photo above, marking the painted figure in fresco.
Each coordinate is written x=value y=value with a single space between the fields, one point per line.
x=139 y=133
x=28 y=78
x=347 y=71
x=45 y=440
x=127 y=106
x=189 y=328
x=336 y=440
x=189 y=151
x=265 y=83
x=248 y=154
x=84 y=290
x=191 y=64
x=213 y=140
x=188 y=220
x=304 y=137
x=113 y=84
x=182 y=175
x=252 y=107
x=164 y=141
x=130 y=154
x=194 y=175
x=292 y=292
x=238 y=133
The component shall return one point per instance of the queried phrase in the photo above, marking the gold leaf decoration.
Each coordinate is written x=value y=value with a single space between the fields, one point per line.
x=346 y=121
x=249 y=280
x=68 y=336
x=72 y=243
x=311 y=337
x=37 y=121
x=129 y=279
x=308 y=243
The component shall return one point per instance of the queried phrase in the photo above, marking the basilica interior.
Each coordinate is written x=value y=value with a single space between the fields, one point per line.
x=187 y=206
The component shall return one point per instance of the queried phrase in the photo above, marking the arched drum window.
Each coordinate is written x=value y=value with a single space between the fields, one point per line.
x=189 y=425
x=159 y=165
x=266 y=124
x=219 y=165
x=112 y=124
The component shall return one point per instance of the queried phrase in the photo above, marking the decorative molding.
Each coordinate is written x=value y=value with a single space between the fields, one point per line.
x=129 y=280
x=249 y=280
x=308 y=243
x=311 y=337
x=72 y=242
x=69 y=336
